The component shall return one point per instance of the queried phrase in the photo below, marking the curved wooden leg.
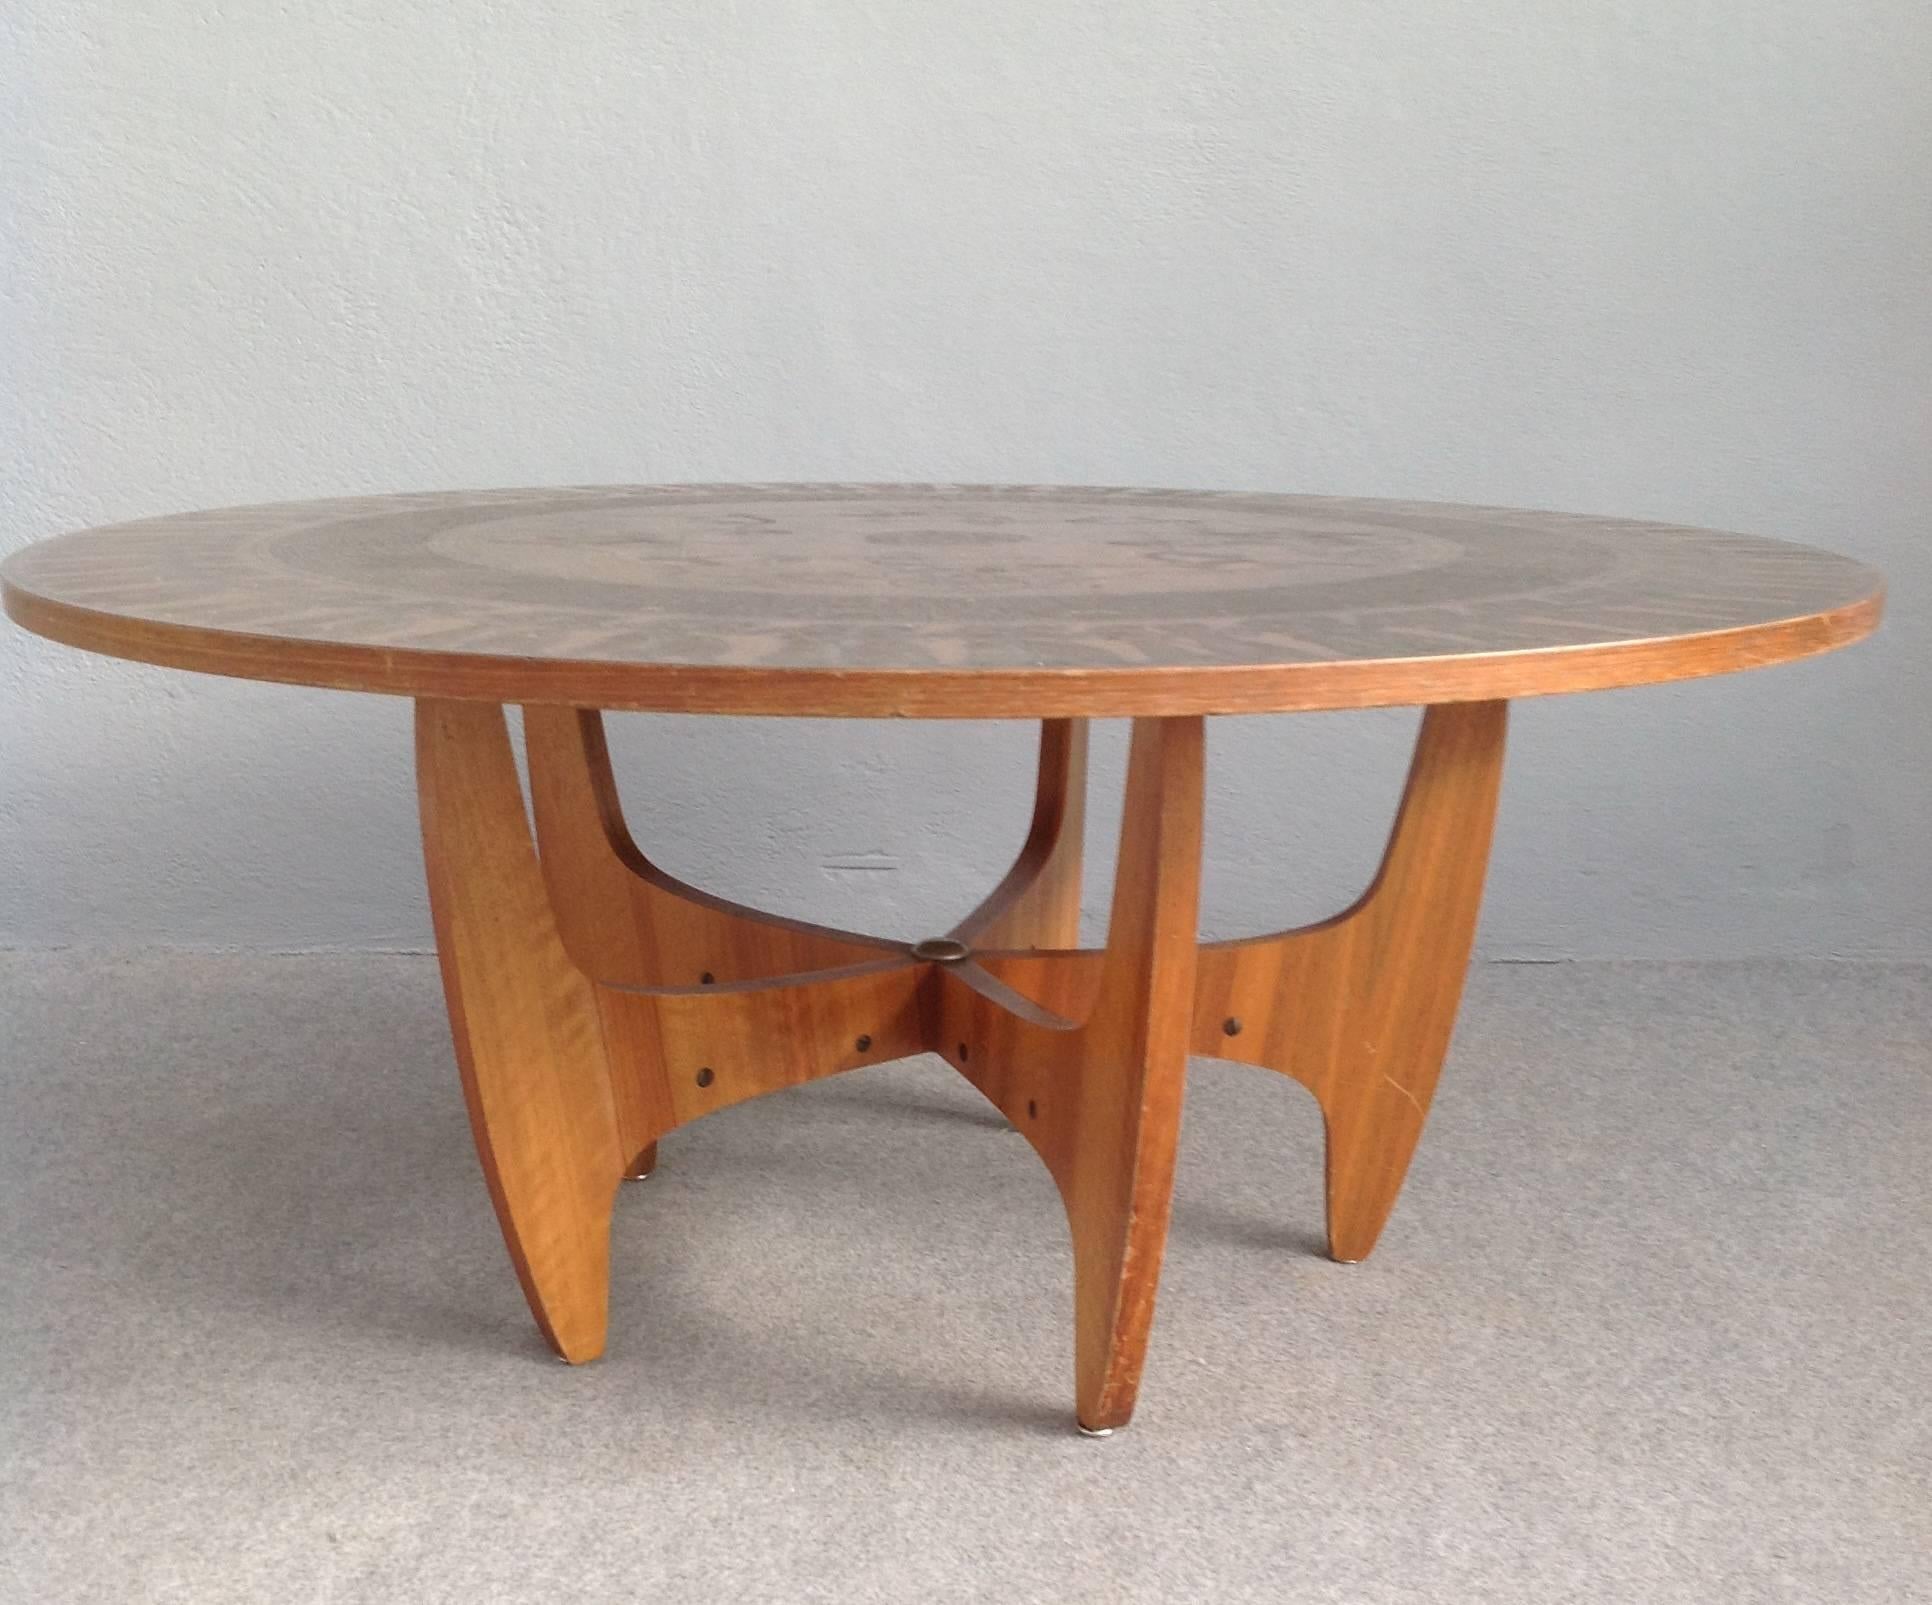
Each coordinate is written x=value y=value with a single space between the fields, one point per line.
x=625 y=921
x=1101 y=1100
x=525 y=1020
x=1037 y=904
x=573 y=1066
x=1408 y=960
x=1360 y=1009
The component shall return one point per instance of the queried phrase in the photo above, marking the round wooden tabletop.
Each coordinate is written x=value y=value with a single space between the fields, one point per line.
x=934 y=601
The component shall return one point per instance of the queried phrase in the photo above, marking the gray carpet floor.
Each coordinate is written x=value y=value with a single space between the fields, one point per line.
x=1648 y=1325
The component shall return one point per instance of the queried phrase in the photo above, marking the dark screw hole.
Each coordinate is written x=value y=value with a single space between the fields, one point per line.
x=1032 y=1110
x=707 y=979
x=705 y=1077
x=864 y=1043
x=963 y=1054
x=1231 y=1027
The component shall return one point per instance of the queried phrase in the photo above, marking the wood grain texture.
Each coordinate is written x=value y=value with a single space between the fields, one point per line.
x=708 y=1048
x=627 y=923
x=625 y=920
x=1038 y=902
x=526 y=1026
x=1100 y=1098
x=571 y=1081
x=597 y=1003
x=1358 y=1008
x=934 y=601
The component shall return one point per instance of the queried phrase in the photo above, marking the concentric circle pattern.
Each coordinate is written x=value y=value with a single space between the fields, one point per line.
x=934 y=600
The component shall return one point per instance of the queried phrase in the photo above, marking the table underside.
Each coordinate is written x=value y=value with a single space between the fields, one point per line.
x=598 y=1004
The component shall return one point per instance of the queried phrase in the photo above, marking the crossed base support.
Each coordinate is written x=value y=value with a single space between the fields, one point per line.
x=597 y=1003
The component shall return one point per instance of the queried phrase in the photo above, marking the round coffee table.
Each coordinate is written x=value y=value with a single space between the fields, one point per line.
x=597 y=1003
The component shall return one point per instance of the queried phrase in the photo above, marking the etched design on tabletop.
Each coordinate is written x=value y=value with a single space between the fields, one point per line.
x=928 y=577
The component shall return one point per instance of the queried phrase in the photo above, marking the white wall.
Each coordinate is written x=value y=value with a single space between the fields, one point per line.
x=1659 y=257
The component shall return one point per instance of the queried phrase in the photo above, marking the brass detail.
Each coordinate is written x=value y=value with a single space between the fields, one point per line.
x=941 y=950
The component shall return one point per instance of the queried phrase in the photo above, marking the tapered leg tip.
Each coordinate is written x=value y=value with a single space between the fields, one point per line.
x=578 y=1353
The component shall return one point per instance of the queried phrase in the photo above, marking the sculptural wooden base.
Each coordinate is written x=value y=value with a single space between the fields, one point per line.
x=597 y=1003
